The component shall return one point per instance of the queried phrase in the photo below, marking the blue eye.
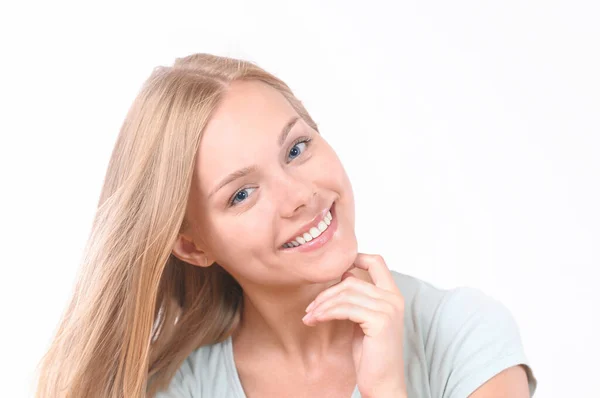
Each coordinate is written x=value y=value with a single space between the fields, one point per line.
x=298 y=142
x=242 y=195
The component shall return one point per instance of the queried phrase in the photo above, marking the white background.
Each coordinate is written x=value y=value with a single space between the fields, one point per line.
x=470 y=131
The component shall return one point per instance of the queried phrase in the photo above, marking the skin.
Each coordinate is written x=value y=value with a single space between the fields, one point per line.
x=287 y=192
x=306 y=319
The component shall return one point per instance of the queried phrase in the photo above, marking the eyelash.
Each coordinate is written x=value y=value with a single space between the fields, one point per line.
x=300 y=140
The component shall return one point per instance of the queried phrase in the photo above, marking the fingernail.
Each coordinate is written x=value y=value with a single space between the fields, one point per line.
x=306 y=317
x=310 y=307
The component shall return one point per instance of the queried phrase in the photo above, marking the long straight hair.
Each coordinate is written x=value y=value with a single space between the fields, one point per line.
x=137 y=311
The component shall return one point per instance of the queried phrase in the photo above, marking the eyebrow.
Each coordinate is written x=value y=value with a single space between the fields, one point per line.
x=251 y=169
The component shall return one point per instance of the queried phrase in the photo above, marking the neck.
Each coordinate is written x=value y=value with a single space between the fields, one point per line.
x=272 y=320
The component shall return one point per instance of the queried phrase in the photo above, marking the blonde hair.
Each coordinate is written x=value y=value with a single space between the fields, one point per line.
x=137 y=311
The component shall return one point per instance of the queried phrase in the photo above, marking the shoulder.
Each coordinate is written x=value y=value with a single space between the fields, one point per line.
x=422 y=300
x=443 y=313
x=466 y=336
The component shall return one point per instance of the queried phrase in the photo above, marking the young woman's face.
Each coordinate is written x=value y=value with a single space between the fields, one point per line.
x=294 y=178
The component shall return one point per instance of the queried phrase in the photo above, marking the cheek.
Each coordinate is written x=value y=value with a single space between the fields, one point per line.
x=337 y=177
x=242 y=240
x=326 y=159
x=340 y=182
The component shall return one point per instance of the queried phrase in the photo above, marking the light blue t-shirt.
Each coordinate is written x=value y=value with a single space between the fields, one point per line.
x=454 y=341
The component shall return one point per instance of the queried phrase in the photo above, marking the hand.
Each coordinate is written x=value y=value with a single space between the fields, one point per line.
x=378 y=313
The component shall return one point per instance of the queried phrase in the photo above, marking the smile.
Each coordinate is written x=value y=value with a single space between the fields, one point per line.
x=316 y=236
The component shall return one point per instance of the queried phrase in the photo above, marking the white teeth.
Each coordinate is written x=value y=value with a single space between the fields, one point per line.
x=313 y=233
x=322 y=226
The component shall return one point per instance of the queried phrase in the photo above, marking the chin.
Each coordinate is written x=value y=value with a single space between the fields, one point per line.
x=335 y=262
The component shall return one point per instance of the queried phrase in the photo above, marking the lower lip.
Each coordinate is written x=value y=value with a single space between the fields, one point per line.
x=320 y=240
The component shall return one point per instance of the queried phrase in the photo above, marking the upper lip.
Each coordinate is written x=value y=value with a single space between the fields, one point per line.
x=312 y=223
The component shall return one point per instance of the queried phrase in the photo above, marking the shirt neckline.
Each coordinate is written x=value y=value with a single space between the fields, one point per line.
x=235 y=377
x=233 y=373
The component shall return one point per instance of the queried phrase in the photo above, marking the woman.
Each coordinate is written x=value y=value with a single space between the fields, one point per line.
x=223 y=262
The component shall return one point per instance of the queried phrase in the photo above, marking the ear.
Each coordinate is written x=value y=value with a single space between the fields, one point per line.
x=185 y=249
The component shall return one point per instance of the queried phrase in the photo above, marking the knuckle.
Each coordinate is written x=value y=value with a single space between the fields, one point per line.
x=351 y=282
x=343 y=294
x=399 y=308
x=386 y=318
x=389 y=308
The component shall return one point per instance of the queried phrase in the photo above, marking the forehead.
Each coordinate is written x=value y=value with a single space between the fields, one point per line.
x=242 y=130
x=248 y=106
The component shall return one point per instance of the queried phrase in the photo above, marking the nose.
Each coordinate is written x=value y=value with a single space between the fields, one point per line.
x=294 y=195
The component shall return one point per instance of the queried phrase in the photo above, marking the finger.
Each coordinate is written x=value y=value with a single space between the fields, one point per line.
x=369 y=320
x=349 y=282
x=352 y=297
x=378 y=270
x=347 y=274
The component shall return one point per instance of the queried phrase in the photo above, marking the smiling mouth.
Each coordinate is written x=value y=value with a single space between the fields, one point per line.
x=323 y=229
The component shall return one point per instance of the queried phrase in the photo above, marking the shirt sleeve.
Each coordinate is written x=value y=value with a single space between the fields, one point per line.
x=472 y=338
